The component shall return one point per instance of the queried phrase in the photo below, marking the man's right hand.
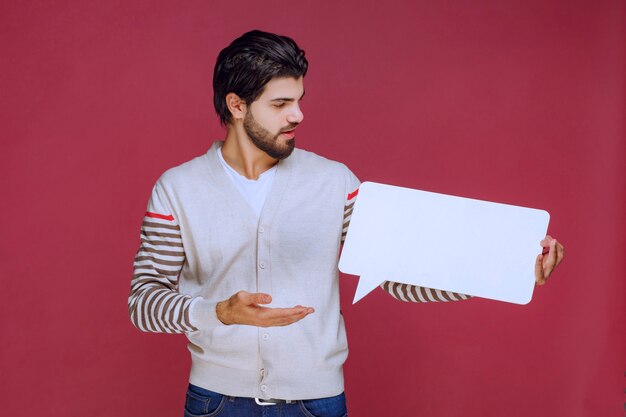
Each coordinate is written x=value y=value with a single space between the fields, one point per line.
x=245 y=308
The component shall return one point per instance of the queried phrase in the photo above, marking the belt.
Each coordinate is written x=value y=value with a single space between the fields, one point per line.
x=272 y=401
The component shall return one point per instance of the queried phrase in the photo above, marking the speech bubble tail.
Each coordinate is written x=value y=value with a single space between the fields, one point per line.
x=365 y=286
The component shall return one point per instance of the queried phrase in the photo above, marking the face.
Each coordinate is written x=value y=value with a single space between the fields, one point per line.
x=271 y=120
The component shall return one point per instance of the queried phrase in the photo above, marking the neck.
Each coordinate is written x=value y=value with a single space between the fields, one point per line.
x=243 y=156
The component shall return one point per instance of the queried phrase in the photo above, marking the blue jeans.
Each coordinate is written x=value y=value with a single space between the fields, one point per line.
x=204 y=403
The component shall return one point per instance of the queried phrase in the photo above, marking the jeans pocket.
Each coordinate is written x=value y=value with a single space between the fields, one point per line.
x=203 y=403
x=325 y=407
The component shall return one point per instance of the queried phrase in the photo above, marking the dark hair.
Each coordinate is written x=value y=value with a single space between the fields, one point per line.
x=246 y=65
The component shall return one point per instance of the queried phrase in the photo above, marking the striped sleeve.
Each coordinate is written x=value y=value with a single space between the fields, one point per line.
x=347 y=213
x=416 y=294
x=399 y=291
x=154 y=304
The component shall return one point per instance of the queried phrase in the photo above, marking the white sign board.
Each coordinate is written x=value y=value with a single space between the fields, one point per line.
x=442 y=242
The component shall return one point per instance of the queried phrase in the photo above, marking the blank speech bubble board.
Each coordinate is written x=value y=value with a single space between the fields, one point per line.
x=443 y=242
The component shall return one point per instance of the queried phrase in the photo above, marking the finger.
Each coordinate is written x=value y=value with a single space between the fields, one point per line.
x=283 y=316
x=551 y=261
x=309 y=309
x=277 y=313
x=545 y=242
x=539 y=279
x=560 y=253
x=282 y=321
x=285 y=321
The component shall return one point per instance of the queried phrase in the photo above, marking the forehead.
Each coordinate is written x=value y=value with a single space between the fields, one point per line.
x=284 y=87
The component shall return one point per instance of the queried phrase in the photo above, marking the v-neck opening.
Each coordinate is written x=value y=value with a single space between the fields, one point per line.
x=234 y=196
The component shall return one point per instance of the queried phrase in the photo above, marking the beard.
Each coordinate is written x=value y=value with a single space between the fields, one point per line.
x=266 y=141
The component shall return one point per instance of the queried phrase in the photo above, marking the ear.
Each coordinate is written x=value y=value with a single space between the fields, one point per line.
x=236 y=106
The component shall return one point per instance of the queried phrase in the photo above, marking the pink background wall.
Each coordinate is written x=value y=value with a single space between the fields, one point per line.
x=520 y=102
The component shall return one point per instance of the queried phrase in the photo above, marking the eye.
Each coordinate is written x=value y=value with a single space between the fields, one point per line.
x=279 y=105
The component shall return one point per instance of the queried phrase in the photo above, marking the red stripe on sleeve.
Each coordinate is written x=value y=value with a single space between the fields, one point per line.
x=160 y=216
x=353 y=194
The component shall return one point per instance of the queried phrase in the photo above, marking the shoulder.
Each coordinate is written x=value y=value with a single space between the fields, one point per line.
x=184 y=174
x=303 y=159
x=319 y=169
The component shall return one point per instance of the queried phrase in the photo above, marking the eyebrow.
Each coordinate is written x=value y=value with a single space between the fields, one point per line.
x=289 y=99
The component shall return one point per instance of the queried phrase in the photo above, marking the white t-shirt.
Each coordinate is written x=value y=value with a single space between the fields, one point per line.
x=253 y=191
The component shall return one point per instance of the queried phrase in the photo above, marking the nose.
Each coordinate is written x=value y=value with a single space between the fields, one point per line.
x=295 y=116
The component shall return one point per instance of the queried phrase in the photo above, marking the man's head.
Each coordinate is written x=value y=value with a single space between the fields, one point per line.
x=249 y=63
x=270 y=121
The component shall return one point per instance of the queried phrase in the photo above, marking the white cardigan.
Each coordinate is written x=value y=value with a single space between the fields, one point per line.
x=201 y=243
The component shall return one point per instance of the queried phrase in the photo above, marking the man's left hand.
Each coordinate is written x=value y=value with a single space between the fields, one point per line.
x=547 y=261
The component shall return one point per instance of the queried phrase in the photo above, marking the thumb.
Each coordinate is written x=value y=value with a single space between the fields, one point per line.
x=260 y=298
x=539 y=278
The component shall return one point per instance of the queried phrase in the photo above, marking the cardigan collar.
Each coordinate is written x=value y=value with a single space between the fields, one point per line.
x=282 y=178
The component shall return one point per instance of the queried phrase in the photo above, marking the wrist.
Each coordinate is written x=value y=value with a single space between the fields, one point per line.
x=220 y=312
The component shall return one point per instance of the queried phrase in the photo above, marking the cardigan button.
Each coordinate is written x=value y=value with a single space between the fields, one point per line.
x=262 y=265
x=261 y=229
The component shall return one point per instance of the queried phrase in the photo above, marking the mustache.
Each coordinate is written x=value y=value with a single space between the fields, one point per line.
x=288 y=128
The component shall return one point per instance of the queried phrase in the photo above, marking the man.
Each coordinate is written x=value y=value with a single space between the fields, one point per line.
x=252 y=223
